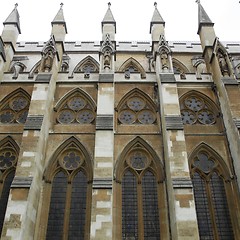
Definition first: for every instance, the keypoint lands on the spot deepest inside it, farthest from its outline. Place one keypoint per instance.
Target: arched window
(141, 195)
(8, 161)
(67, 197)
(136, 108)
(209, 184)
(87, 66)
(198, 109)
(76, 107)
(14, 107)
(131, 65)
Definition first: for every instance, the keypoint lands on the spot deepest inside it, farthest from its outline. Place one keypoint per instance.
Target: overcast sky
(83, 18)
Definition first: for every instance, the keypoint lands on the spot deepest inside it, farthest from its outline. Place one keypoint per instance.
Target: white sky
(83, 18)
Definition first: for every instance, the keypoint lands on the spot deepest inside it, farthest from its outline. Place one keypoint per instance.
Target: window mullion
(140, 211)
(67, 211)
(211, 209)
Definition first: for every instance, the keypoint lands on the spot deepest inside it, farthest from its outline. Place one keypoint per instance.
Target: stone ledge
(104, 122)
(21, 182)
(34, 122)
(182, 183)
(174, 123)
(102, 183)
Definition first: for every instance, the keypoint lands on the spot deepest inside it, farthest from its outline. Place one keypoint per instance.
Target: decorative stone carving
(164, 51)
(107, 50)
(48, 54)
(200, 66)
(223, 64)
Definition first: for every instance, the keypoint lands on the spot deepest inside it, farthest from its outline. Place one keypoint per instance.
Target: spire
(59, 18)
(108, 18)
(157, 18)
(203, 18)
(13, 18)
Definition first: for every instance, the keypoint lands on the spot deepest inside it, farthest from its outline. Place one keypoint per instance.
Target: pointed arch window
(75, 108)
(14, 108)
(139, 198)
(135, 108)
(196, 109)
(87, 66)
(130, 66)
(8, 162)
(68, 180)
(214, 221)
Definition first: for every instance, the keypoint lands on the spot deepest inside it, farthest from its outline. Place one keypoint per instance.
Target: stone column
(101, 216)
(24, 195)
(183, 219)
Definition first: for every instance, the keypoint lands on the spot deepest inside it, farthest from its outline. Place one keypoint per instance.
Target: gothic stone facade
(119, 140)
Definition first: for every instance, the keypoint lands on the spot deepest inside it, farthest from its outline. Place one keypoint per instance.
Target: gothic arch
(73, 143)
(221, 166)
(136, 92)
(196, 107)
(140, 183)
(133, 62)
(67, 192)
(8, 144)
(179, 68)
(16, 92)
(213, 186)
(87, 60)
(136, 107)
(76, 107)
(73, 92)
(139, 144)
(9, 151)
(35, 69)
(14, 107)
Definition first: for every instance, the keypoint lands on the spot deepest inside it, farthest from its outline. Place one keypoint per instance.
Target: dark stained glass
(7, 159)
(4, 197)
(146, 117)
(127, 116)
(66, 116)
(204, 163)
(78, 207)
(206, 117)
(85, 116)
(203, 213)
(194, 103)
(188, 117)
(57, 207)
(22, 116)
(136, 103)
(18, 103)
(129, 207)
(224, 227)
(6, 116)
(76, 103)
(150, 207)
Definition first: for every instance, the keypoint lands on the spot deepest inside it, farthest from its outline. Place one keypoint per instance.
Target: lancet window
(209, 184)
(8, 161)
(140, 181)
(67, 194)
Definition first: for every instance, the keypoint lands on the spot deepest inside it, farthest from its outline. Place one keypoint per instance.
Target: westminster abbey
(114, 140)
